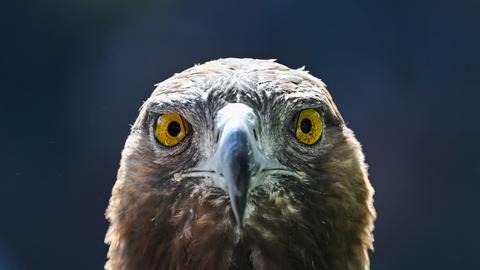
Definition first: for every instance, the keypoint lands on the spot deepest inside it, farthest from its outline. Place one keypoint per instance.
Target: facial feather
(163, 218)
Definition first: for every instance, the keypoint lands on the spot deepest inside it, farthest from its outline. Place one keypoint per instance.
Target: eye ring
(171, 129)
(308, 126)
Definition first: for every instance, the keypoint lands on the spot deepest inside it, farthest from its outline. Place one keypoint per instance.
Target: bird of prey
(240, 164)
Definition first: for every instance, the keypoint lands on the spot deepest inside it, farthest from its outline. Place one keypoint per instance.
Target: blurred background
(405, 75)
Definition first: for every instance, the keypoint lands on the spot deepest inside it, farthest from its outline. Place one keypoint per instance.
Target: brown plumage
(294, 205)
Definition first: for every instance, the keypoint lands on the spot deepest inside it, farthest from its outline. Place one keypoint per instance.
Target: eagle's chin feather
(162, 218)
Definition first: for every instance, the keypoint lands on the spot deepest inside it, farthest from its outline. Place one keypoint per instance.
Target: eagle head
(240, 164)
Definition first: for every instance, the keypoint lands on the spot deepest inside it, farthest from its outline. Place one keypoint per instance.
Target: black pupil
(306, 125)
(174, 128)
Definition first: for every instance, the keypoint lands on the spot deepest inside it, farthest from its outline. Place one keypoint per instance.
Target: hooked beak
(239, 164)
(237, 156)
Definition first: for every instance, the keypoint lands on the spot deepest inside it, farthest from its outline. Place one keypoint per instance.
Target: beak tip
(238, 204)
(239, 222)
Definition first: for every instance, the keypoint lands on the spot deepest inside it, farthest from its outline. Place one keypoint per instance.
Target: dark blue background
(405, 75)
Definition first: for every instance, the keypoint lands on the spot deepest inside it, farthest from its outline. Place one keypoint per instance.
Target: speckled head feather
(314, 212)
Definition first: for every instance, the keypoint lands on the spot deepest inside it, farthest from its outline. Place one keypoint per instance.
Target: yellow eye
(309, 126)
(171, 129)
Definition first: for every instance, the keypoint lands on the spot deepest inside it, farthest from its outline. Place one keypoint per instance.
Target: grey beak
(236, 153)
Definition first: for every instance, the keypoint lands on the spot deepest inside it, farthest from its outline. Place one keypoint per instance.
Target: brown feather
(323, 221)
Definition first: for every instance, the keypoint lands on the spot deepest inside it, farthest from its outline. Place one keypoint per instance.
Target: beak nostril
(217, 136)
(255, 134)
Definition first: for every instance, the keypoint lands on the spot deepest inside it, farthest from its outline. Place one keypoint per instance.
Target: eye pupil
(174, 128)
(306, 125)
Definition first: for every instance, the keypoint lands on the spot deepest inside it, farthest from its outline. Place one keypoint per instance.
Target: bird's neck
(199, 233)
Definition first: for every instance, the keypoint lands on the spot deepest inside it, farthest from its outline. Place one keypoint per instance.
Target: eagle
(240, 164)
